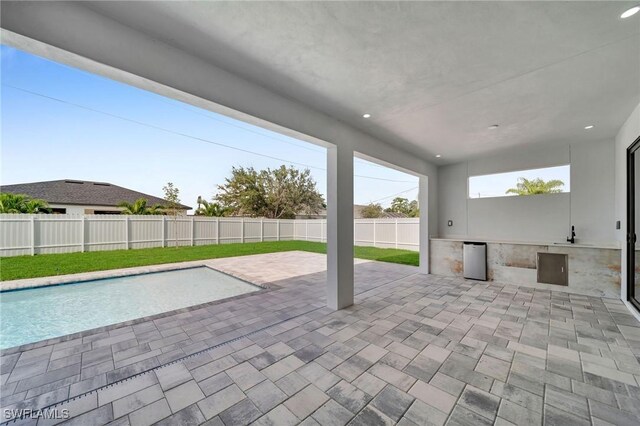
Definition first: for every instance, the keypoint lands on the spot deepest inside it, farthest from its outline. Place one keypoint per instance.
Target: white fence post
(193, 230)
(374, 232)
(217, 230)
(321, 231)
(164, 231)
(126, 232)
(396, 232)
(242, 228)
(261, 229)
(83, 232)
(278, 230)
(306, 230)
(33, 235)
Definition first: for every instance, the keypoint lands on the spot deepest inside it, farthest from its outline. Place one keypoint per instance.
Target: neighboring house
(357, 214)
(83, 197)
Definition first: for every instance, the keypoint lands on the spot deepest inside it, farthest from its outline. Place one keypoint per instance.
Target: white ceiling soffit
(433, 75)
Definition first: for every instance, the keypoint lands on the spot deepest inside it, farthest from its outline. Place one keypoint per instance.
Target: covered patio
(444, 91)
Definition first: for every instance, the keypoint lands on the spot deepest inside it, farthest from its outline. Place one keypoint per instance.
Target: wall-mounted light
(366, 115)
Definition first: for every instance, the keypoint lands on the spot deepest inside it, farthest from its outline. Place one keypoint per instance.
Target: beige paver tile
(433, 396)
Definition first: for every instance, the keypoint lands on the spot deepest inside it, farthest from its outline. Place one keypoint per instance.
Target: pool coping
(101, 275)
(134, 270)
(133, 274)
(27, 283)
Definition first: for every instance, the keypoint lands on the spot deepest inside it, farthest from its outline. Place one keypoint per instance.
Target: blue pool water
(42, 313)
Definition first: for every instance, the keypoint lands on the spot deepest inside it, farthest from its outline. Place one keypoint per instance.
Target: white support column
(339, 227)
(423, 203)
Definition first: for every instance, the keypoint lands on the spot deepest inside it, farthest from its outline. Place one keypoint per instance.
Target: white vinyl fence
(22, 234)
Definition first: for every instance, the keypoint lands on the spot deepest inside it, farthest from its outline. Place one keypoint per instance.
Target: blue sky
(45, 139)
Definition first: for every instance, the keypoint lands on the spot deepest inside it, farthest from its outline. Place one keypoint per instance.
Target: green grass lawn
(13, 268)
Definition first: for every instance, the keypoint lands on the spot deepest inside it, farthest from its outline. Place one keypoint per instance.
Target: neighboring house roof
(393, 215)
(82, 192)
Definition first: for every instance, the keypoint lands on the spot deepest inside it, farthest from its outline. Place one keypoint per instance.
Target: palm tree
(139, 207)
(210, 209)
(20, 203)
(12, 203)
(33, 206)
(536, 186)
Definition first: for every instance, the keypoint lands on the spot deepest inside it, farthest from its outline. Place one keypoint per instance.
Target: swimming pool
(42, 313)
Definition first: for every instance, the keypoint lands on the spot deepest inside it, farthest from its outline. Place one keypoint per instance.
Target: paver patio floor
(414, 349)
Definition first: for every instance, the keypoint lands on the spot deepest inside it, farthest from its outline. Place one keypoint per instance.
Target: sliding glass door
(633, 223)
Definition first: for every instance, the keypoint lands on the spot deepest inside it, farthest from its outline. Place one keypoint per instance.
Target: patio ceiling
(433, 75)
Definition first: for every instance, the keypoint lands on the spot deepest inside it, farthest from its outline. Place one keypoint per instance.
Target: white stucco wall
(87, 209)
(542, 218)
(75, 209)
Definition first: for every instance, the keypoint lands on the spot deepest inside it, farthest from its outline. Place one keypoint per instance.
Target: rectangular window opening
(547, 180)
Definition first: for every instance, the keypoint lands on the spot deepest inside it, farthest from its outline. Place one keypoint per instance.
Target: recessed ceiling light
(493, 126)
(630, 12)
(366, 115)
(588, 127)
(438, 155)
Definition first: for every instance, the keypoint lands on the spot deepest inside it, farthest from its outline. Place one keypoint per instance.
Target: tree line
(281, 193)
(399, 205)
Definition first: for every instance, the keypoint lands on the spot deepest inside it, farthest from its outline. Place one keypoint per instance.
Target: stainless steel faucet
(572, 240)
